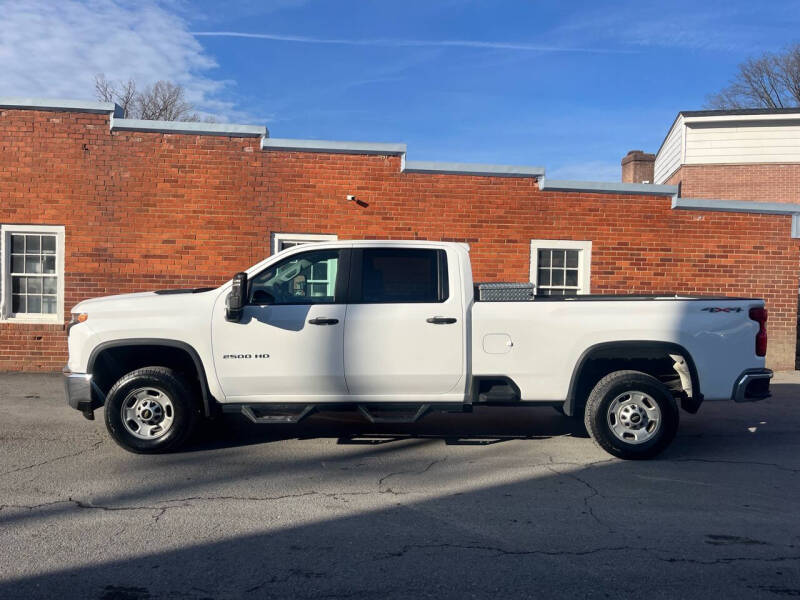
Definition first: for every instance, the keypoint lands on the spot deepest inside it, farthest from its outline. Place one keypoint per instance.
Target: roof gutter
(60, 105)
(604, 187)
(741, 206)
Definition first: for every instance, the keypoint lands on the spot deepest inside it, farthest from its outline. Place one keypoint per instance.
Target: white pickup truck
(394, 329)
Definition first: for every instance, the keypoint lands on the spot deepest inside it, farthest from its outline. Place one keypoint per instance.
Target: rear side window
(403, 275)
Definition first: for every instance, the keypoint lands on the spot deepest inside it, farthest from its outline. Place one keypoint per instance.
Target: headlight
(76, 318)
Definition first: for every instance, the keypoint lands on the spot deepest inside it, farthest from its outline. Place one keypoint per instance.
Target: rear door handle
(442, 320)
(323, 321)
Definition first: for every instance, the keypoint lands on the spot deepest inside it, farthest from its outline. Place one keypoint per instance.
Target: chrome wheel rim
(634, 417)
(147, 413)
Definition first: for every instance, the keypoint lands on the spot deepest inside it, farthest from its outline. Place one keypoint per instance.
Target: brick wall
(150, 210)
(754, 182)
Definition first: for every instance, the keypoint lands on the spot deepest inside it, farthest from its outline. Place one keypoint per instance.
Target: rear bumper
(81, 393)
(752, 385)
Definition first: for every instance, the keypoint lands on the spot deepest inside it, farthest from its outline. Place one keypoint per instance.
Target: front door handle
(323, 321)
(442, 320)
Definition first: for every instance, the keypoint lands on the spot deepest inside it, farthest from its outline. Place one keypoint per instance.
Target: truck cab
(344, 323)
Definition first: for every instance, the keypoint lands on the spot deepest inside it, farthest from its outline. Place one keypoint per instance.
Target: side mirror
(236, 299)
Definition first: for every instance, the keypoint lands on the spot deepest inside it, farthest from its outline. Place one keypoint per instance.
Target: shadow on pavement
(482, 427)
(563, 532)
(715, 516)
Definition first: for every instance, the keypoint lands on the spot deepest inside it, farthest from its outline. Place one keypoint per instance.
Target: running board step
(273, 413)
(394, 414)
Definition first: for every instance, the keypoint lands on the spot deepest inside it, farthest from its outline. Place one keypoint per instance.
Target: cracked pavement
(501, 502)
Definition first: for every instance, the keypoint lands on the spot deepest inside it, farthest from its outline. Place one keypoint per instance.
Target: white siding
(747, 142)
(668, 158)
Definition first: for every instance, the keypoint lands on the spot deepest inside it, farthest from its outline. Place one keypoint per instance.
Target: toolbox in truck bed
(504, 292)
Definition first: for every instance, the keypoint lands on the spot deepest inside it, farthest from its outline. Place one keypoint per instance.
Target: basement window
(282, 241)
(561, 267)
(32, 282)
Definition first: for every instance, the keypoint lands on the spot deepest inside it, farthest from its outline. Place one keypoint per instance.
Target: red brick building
(91, 204)
(749, 155)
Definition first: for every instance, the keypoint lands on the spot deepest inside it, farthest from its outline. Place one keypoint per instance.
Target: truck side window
(403, 275)
(306, 278)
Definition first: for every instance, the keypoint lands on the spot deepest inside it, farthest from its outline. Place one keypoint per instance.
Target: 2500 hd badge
(224, 356)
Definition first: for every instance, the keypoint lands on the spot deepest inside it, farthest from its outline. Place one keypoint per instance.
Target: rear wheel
(631, 415)
(150, 410)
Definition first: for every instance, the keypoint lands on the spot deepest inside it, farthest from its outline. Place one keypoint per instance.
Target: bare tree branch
(104, 89)
(769, 81)
(789, 72)
(126, 96)
(162, 101)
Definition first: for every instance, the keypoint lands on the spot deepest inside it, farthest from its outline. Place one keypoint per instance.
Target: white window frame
(6, 316)
(302, 238)
(584, 260)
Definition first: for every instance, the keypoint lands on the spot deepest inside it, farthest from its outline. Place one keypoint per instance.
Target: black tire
(611, 387)
(185, 412)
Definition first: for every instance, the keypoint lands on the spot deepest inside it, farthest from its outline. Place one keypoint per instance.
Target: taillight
(760, 316)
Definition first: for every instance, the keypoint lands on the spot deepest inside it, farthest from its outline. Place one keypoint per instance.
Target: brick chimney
(637, 167)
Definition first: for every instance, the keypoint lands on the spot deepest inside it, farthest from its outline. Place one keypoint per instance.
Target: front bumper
(82, 393)
(752, 385)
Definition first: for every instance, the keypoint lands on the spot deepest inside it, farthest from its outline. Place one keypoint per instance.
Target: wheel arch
(619, 353)
(107, 349)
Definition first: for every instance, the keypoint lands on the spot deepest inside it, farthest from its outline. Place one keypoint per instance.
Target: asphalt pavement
(500, 503)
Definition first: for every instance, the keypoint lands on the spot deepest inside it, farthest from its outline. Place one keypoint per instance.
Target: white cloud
(241, 9)
(687, 25)
(408, 43)
(54, 48)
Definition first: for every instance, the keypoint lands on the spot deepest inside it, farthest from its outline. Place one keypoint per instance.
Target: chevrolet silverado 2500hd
(395, 329)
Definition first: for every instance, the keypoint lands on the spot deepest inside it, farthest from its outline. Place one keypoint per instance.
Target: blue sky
(571, 86)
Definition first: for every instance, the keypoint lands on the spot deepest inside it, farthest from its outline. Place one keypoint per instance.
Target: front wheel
(150, 411)
(631, 415)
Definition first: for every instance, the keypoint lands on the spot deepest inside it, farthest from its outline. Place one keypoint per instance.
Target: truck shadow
(398, 520)
(485, 426)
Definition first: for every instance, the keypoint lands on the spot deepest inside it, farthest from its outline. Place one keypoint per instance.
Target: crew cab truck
(394, 329)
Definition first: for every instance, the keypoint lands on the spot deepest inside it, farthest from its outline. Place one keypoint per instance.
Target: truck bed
(537, 343)
(636, 297)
